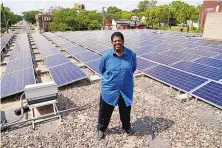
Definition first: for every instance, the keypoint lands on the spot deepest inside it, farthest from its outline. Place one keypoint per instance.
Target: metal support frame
(55, 111)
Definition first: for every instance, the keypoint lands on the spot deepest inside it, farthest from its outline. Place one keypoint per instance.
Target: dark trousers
(105, 113)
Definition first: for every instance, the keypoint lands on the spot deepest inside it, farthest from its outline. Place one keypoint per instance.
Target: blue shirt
(117, 76)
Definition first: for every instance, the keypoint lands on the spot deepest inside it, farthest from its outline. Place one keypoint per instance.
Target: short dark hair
(117, 34)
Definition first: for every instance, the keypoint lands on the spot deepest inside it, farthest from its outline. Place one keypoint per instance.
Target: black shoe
(130, 131)
(100, 134)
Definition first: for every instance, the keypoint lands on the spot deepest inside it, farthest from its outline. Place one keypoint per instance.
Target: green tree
(94, 25)
(145, 4)
(10, 18)
(113, 10)
(64, 20)
(70, 19)
(29, 16)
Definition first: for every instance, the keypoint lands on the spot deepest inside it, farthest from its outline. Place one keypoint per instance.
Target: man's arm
(134, 62)
(102, 65)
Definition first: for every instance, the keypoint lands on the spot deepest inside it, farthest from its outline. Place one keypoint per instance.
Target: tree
(29, 16)
(10, 18)
(113, 10)
(64, 20)
(145, 4)
(69, 19)
(94, 25)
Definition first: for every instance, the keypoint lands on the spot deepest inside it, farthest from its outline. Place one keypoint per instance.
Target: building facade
(209, 6)
(43, 20)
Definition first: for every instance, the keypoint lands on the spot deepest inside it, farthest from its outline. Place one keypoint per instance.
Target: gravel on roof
(158, 118)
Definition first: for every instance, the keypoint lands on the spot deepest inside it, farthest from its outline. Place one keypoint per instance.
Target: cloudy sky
(19, 6)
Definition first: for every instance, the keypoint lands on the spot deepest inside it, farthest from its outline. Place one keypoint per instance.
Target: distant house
(209, 6)
(128, 24)
(43, 20)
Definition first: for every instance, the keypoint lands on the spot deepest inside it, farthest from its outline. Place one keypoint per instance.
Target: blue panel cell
(211, 92)
(160, 58)
(94, 66)
(20, 54)
(201, 70)
(19, 64)
(144, 64)
(210, 62)
(15, 82)
(86, 56)
(199, 52)
(181, 80)
(75, 49)
(66, 73)
(219, 57)
(56, 60)
(181, 55)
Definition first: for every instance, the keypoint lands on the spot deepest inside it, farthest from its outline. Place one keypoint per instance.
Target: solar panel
(219, 57)
(201, 70)
(144, 64)
(74, 49)
(211, 49)
(199, 52)
(86, 56)
(56, 60)
(180, 80)
(66, 73)
(160, 58)
(181, 55)
(19, 64)
(211, 93)
(94, 66)
(20, 54)
(209, 62)
(15, 82)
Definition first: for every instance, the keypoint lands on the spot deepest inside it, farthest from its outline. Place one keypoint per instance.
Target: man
(117, 67)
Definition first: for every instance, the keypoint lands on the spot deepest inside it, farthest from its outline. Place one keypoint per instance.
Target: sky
(19, 6)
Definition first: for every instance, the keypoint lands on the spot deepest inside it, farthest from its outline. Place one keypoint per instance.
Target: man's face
(117, 43)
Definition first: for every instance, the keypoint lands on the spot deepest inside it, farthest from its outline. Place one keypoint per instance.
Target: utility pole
(103, 17)
(6, 23)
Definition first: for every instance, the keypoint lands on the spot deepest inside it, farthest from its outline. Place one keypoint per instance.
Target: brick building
(209, 6)
(43, 20)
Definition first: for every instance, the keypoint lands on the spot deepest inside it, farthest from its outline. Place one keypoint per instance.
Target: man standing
(117, 67)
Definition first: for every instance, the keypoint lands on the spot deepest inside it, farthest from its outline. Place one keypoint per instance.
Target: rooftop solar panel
(15, 82)
(211, 49)
(199, 52)
(210, 62)
(201, 70)
(180, 80)
(144, 64)
(94, 66)
(74, 49)
(66, 73)
(181, 55)
(211, 93)
(19, 64)
(167, 60)
(219, 57)
(86, 56)
(56, 60)
(20, 54)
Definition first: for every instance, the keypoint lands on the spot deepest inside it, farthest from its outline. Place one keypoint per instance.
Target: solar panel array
(185, 63)
(62, 70)
(5, 39)
(19, 70)
(82, 54)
